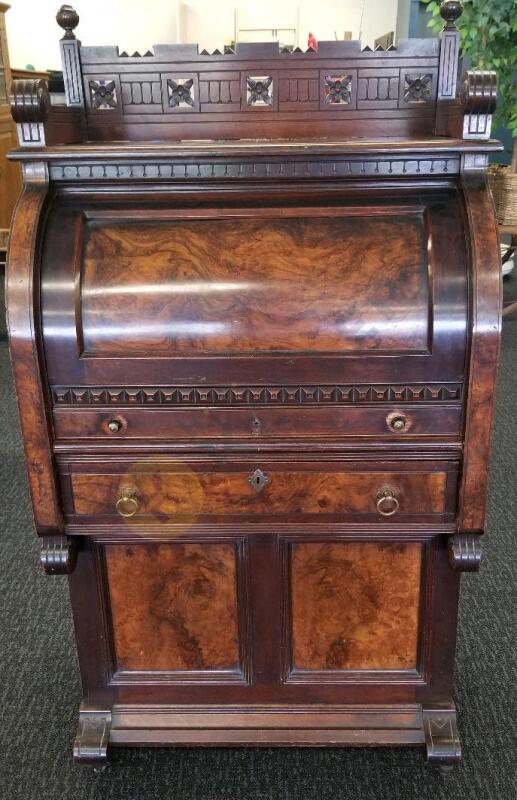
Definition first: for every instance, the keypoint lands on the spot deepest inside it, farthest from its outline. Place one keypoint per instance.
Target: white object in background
(508, 265)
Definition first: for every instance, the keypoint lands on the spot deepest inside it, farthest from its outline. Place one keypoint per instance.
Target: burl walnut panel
(164, 494)
(173, 606)
(249, 285)
(355, 605)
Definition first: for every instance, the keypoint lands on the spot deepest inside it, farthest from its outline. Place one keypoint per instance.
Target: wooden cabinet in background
(10, 176)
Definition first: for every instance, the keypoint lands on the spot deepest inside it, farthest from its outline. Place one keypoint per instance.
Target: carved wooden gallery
(254, 313)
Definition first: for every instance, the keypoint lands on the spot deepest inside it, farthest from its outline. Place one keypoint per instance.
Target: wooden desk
(255, 318)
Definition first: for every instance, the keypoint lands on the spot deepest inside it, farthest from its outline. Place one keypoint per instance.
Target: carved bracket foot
(93, 733)
(465, 552)
(58, 555)
(442, 740)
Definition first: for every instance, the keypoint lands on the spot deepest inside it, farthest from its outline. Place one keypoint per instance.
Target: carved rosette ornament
(417, 88)
(259, 90)
(103, 95)
(337, 89)
(180, 93)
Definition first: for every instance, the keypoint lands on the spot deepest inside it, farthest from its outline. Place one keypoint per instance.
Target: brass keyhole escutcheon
(127, 504)
(387, 501)
(258, 480)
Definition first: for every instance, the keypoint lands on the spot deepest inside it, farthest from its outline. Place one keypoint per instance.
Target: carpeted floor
(39, 687)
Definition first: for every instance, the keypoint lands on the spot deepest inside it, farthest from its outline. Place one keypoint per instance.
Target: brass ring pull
(387, 502)
(127, 505)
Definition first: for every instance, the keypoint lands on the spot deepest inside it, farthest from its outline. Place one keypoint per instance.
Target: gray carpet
(39, 687)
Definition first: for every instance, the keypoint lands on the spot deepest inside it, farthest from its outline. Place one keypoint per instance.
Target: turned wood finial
(68, 19)
(450, 11)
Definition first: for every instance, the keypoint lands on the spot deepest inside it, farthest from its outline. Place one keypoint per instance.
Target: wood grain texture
(22, 301)
(162, 495)
(256, 424)
(233, 329)
(63, 324)
(174, 606)
(223, 286)
(486, 306)
(355, 605)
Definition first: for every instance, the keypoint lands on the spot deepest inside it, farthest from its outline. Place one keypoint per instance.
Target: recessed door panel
(355, 606)
(174, 608)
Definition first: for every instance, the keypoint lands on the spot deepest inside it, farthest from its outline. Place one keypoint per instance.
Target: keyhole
(256, 426)
(258, 480)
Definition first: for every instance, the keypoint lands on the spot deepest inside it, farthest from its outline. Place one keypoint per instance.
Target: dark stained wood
(58, 555)
(258, 424)
(22, 301)
(486, 307)
(355, 606)
(254, 329)
(465, 552)
(174, 606)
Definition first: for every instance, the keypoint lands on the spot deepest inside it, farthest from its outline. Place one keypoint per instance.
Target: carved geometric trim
(257, 395)
(302, 169)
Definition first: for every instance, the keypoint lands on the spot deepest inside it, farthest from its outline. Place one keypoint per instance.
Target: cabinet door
(280, 617)
(354, 608)
(177, 611)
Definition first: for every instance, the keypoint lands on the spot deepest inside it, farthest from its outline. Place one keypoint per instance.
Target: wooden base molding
(268, 726)
(465, 552)
(58, 555)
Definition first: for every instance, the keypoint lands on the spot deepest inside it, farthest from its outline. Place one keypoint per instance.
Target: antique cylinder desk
(254, 312)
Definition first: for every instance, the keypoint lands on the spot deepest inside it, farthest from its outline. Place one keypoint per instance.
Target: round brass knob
(397, 423)
(127, 504)
(387, 502)
(114, 425)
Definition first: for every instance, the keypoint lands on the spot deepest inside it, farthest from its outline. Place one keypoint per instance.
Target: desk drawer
(164, 491)
(116, 424)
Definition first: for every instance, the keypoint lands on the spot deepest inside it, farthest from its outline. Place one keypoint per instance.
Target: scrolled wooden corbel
(58, 555)
(465, 552)
(479, 99)
(30, 107)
